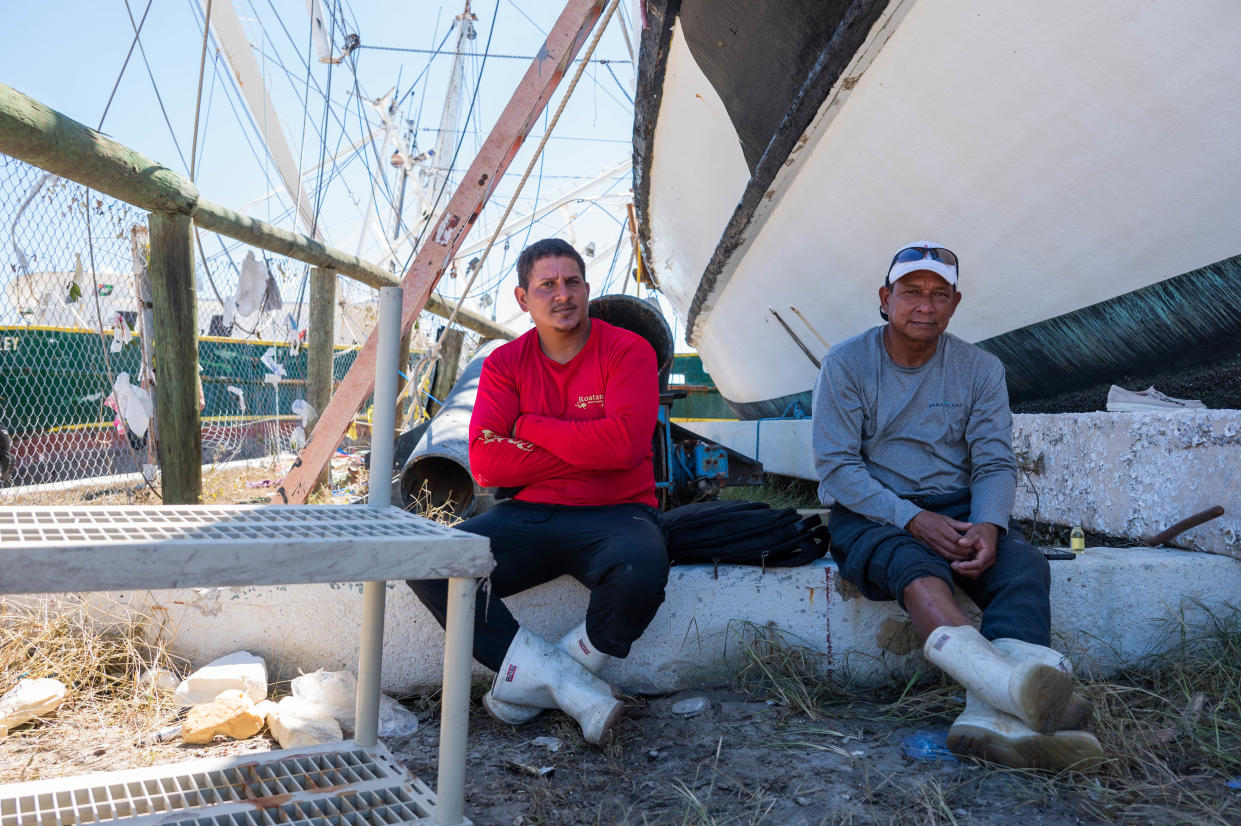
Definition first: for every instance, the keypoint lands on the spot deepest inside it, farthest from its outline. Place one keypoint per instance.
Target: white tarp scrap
(276, 369)
(122, 333)
(302, 408)
(133, 403)
(295, 337)
(251, 287)
(241, 396)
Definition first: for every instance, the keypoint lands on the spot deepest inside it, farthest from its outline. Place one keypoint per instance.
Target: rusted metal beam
(498, 151)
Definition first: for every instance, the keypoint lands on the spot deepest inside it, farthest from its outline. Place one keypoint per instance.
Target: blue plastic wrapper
(928, 746)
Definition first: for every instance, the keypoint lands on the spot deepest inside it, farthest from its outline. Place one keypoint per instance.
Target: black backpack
(743, 533)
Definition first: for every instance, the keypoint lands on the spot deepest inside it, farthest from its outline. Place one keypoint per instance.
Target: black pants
(882, 561)
(616, 551)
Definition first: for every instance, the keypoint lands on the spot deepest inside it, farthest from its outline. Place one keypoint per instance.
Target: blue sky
(69, 56)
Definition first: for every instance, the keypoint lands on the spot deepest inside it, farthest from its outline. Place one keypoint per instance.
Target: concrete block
(1110, 607)
(1135, 474)
(1127, 474)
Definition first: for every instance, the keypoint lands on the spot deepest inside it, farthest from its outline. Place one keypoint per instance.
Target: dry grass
(99, 651)
(1171, 725)
(422, 504)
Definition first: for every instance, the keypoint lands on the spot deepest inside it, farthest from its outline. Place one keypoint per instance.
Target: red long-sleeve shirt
(568, 434)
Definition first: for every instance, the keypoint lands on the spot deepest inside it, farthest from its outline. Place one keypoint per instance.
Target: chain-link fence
(76, 372)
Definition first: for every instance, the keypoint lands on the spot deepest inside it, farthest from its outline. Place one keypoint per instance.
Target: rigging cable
(125, 64)
(453, 162)
(441, 51)
(198, 101)
(154, 85)
(538, 155)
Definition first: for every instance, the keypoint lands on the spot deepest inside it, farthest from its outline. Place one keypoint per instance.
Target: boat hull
(1078, 157)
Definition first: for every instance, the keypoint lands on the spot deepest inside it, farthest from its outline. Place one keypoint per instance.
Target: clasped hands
(969, 547)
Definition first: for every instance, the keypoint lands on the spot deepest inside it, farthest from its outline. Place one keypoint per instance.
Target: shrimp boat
(1080, 158)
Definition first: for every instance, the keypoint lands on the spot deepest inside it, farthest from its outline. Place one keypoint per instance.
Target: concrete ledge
(1127, 474)
(1110, 607)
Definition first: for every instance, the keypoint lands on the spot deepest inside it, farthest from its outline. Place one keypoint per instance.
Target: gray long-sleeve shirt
(883, 432)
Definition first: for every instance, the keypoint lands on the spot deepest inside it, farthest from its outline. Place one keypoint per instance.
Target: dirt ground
(740, 761)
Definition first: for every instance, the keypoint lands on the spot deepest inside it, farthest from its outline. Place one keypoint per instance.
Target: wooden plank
(498, 151)
(220, 219)
(446, 371)
(54, 549)
(175, 312)
(321, 336)
(39, 135)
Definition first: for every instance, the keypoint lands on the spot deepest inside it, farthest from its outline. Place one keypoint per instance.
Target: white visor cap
(899, 270)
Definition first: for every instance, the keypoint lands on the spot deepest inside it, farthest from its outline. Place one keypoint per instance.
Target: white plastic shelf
(334, 783)
(58, 549)
(54, 549)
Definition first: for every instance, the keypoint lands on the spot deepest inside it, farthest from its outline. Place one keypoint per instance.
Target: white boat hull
(1080, 158)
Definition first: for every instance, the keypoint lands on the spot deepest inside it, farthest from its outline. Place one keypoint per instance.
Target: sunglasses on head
(910, 254)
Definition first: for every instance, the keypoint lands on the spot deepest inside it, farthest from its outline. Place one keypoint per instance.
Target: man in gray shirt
(913, 444)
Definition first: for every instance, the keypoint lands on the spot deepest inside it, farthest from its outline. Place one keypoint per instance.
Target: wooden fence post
(320, 348)
(176, 357)
(446, 369)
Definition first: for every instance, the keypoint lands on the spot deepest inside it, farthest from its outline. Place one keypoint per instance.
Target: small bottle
(1077, 539)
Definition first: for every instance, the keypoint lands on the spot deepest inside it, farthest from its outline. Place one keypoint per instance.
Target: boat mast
(237, 51)
(441, 160)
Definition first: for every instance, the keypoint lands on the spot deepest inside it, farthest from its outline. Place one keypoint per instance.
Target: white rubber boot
(982, 731)
(578, 646)
(1077, 710)
(1029, 690)
(537, 673)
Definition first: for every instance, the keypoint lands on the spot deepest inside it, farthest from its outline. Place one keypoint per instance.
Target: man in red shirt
(565, 414)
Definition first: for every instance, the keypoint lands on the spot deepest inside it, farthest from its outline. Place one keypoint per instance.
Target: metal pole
(370, 658)
(455, 701)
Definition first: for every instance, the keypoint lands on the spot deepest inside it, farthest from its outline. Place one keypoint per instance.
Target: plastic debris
(240, 670)
(159, 679)
(276, 369)
(336, 692)
(303, 408)
(691, 707)
(526, 768)
(1235, 783)
(928, 746)
(295, 723)
(162, 735)
(251, 286)
(29, 699)
(552, 744)
(133, 403)
(240, 395)
(295, 335)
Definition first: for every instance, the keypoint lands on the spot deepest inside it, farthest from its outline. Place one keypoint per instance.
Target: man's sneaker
(1120, 400)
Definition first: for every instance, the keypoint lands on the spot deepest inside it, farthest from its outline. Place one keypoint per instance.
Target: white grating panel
(256, 523)
(58, 549)
(336, 783)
